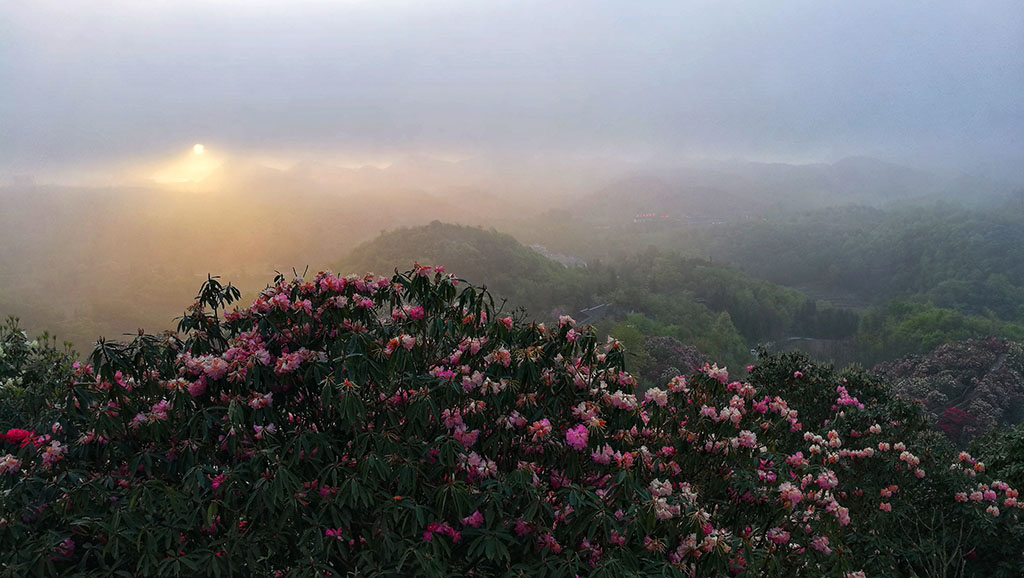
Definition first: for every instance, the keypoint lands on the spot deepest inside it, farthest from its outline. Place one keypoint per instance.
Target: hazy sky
(87, 83)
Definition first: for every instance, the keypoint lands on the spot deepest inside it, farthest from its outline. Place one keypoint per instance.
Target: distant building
(647, 218)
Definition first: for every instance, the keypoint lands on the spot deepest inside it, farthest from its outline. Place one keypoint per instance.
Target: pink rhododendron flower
(603, 455)
(522, 528)
(797, 460)
(746, 439)
(260, 431)
(260, 401)
(54, 452)
(678, 384)
(777, 535)
(577, 437)
(548, 541)
(715, 372)
(465, 437)
(827, 479)
(475, 519)
(665, 511)
(215, 367)
(790, 494)
(621, 400)
(657, 396)
(660, 488)
(64, 550)
(333, 533)
(198, 387)
(539, 429)
(9, 463)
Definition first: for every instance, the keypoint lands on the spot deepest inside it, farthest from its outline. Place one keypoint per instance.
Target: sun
(188, 167)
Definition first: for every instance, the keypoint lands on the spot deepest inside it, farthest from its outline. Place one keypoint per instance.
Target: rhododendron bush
(404, 426)
(32, 373)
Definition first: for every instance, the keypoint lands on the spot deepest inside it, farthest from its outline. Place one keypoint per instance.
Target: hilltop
(511, 270)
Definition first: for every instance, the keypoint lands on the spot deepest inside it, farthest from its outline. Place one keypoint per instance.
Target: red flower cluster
(16, 436)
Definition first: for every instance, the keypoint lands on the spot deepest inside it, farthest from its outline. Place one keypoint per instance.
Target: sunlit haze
(919, 82)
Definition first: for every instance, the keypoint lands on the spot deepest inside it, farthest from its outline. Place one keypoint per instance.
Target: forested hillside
(714, 307)
(968, 260)
(919, 272)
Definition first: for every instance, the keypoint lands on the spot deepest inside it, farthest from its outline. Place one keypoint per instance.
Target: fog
(325, 123)
(364, 82)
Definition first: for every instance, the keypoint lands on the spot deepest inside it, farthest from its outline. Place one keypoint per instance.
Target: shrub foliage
(392, 427)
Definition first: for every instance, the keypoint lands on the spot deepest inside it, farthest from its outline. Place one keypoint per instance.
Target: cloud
(802, 79)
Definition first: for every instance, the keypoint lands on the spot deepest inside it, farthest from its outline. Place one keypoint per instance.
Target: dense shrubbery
(1003, 450)
(969, 386)
(32, 375)
(370, 426)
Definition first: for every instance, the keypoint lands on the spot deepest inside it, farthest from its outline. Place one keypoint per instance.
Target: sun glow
(191, 167)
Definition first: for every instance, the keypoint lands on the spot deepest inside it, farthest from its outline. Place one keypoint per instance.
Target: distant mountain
(868, 177)
(650, 198)
(739, 190)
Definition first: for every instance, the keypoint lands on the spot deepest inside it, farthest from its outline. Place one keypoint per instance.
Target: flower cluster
(405, 426)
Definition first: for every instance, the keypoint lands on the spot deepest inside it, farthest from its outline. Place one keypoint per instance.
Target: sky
(111, 83)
